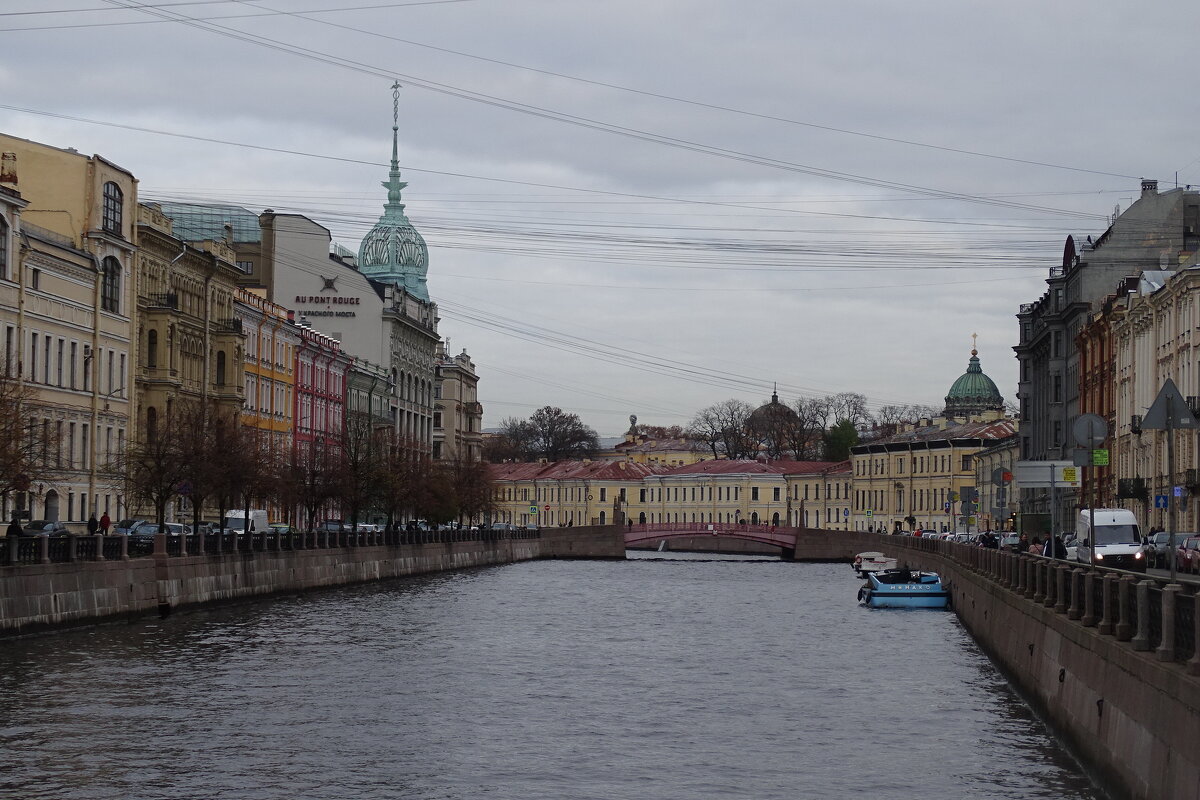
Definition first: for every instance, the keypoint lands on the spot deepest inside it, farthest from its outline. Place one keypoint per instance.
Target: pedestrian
(14, 527)
(1056, 548)
(630, 521)
(1023, 543)
(105, 523)
(1035, 547)
(92, 525)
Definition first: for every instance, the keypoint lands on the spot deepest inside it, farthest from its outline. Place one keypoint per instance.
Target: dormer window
(114, 200)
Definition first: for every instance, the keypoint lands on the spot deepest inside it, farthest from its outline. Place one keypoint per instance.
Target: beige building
(919, 476)
(758, 492)
(190, 343)
(66, 305)
(457, 412)
(1156, 336)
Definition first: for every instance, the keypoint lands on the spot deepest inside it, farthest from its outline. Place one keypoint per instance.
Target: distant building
(457, 412)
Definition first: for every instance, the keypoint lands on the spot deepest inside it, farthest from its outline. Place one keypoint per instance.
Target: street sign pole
(1171, 503)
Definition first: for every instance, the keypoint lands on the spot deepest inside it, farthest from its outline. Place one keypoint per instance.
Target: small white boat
(872, 562)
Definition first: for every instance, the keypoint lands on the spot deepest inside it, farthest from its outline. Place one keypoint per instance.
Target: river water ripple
(653, 679)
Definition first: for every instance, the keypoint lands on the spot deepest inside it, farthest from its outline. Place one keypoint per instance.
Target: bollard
(1022, 575)
(1039, 582)
(1142, 640)
(14, 549)
(72, 548)
(1089, 599)
(124, 546)
(99, 538)
(1060, 589)
(1075, 608)
(1124, 623)
(44, 549)
(1107, 625)
(1166, 648)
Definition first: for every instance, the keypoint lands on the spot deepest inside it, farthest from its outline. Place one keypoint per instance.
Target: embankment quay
(1109, 659)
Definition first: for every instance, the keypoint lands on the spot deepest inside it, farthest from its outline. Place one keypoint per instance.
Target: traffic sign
(1070, 474)
(1160, 501)
(1169, 410)
(845, 512)
(547, 508)
(1090, 430)
(870, 512)
(1000, 476)
(1099, 458)
(945, 507)
(533, 509)
(1179, 491)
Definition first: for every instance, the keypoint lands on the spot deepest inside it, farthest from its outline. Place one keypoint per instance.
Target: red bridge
(779, 536)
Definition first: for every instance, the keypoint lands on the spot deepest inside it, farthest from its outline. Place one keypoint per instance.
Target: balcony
(163, 300)
(228, 326)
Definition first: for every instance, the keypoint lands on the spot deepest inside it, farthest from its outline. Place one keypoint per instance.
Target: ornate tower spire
(394, 252)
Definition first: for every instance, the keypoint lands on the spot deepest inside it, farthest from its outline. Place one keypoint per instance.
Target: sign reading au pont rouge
(329, 299)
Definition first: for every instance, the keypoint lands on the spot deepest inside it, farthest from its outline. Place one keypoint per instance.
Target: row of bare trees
(811, 428)
(215, 462)
(206, 456)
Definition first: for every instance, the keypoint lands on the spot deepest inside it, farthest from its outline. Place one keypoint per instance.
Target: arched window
(3, 248)
(220, 368)
(110, 286)
(114, 200)
(152, 348)
(151, 423)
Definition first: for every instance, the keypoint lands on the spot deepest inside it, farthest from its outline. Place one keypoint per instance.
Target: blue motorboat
(903, 588)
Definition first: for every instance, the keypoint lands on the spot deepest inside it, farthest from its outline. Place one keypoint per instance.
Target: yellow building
(919, 476)
(270, 366)
(814, 493)
(67, 245)
(566, 492)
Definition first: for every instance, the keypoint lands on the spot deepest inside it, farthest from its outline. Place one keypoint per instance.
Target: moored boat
(904, 588)
(872, 562)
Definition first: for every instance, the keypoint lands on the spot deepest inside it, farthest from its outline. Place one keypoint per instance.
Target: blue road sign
(845, 512)
(1160, 501)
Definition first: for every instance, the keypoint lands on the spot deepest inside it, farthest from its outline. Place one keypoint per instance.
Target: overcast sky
(650, 207)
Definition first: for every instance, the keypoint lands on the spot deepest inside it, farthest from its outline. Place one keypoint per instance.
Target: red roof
(753, 467)
(574, 470)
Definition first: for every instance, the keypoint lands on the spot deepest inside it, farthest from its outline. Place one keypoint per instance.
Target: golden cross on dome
(974, 336)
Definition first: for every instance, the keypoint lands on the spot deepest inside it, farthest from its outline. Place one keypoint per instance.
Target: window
(966, 463)
(62, 344)
(603, 494)
(775, 494)
(151, 424)
(35, 278)
(74, 356)
(110, 287)
(47, 365)
(113, 208)
(152, 348)
(3, 248)
(753, 492)
(220, 368)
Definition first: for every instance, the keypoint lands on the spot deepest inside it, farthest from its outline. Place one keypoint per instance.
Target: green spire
(394, 252)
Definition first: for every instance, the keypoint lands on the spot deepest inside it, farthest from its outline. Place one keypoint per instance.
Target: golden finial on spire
(974, 350)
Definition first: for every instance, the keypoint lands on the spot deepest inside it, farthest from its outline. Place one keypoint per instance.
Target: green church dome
(394, 251)
(973, 392)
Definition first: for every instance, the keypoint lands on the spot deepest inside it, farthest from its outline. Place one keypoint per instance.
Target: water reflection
(664, 677)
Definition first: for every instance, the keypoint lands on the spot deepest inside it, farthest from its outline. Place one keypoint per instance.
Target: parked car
(41, 527)
(127, 526)
(1187, 555)
(331, 526)
(1009, 541)
(280, 527)
(1158, 547)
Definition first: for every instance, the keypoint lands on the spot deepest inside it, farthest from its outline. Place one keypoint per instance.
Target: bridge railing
(703, 527)
(1148, 611)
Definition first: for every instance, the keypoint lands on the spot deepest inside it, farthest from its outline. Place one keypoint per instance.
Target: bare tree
(723, 428)
(549, 433)
(358, 472)
(513, 443)
(473, 490)
(25, 455)
(155, 467)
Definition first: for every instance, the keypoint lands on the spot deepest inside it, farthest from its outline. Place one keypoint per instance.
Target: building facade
(66, 305)
(1159, 231)
(272, 344)
(457, 412)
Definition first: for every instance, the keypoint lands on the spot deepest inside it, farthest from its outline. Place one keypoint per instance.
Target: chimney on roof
(1149, 186)
(8, 170)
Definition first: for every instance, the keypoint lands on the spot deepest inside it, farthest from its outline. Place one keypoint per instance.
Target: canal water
(673, 678)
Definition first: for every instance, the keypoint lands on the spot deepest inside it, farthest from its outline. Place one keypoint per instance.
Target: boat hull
(901, 589)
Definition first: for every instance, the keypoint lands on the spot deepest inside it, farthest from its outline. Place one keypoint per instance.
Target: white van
(235, 521)
(1114, 540)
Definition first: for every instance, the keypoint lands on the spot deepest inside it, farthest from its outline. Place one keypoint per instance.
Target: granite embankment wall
(38, 596)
